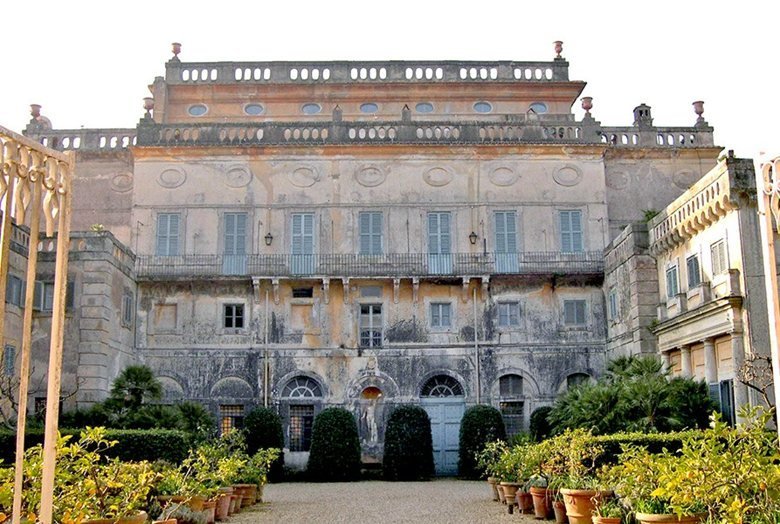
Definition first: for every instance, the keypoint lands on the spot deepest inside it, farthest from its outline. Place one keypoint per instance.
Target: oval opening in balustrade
(77, 142)
(102, 142)
(185, 75)
(548, 73)
(65, 142)
(293, 74)
(125, 141)
(315, 74)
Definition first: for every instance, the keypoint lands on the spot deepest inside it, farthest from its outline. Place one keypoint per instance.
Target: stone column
(685, 360)
(738, 353)
(710, 361)
(666, 362)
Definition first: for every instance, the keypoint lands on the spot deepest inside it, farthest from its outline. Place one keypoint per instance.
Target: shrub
(335, 447)
(480, 425)
(263, 430)
(408, 453)
(196, 420)
(540, 428)
(132, 445)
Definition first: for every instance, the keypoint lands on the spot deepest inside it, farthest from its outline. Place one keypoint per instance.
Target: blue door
(302, 248)
(506, 241)
(439, 243)
(445, 415)
(234, 253)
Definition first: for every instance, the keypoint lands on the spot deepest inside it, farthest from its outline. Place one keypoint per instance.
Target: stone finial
(587, 104)
(38, 122)
(148, 106)
(35, 110)
(558, 48)
(176, 49)
(698, 108)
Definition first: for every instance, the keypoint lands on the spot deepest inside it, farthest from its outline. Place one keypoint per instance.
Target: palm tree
(135, 386)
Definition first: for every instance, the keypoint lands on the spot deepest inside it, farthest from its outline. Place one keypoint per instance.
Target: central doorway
(442, 398)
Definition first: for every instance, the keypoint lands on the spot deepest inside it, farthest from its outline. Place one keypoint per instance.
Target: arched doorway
(442, 398)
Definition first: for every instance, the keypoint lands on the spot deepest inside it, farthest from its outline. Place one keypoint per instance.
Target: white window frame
(614, 305)
(719, 267)
(508, 305)
(374, 323)
(168, 251)
(672, 270)
(692, 283)
(438, 320)
(575, 303)
(577, 237)
(372, 233)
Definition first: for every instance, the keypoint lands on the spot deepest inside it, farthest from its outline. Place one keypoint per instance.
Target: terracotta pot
(260, 493)
(248, 493)
(209, 509)
(195, 503)
(139, 518)
(606, 520)
(510, 491)
(525, 502)
(169, 521)
(492, 481)
(501, 496)
(223, 503)
(235, 502)
(543, 508)
(559, 508)
(648, 518)
(579, 504)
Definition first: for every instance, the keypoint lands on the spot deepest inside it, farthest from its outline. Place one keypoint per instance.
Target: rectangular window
(9, 360)
(370, 233)
(303, 292)
(233, 316)
(168, 234)
(574, 312)
(301, 420)
(43, 296)
(512, 413)
(508, 314)
(672, 284)
(371, 292)
(14, 291)
(506, 232)
(370, 325)
(571, 231)
(440, 315)
(231, 416)
(510, 386)
(127, 309)
(613, 304)
(720, 261)
(694, 275)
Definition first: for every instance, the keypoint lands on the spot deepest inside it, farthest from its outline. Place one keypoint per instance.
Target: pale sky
(88, 62)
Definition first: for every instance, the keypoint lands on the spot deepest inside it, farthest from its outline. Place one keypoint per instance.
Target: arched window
(442, 386)
(510, 392)
(302, 387)
(510, 386)
(577, 379)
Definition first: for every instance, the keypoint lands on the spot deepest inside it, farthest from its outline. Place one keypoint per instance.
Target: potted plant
(487, 462)
(608, 511)
(509, 471)
(541, 495)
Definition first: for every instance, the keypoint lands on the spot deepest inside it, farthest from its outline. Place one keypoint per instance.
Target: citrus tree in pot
(487, 462)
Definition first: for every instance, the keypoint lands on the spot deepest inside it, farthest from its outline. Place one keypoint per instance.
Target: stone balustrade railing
(87, 139)
(177, 72)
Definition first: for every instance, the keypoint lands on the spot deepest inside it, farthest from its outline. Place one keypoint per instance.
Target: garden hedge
(540, 428)
(408, 453)
(132, 444)
(480, 424)
(653, 442)
(335, 447)
(263, 430)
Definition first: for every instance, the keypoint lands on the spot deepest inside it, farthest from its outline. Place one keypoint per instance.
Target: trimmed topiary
(335, 447)
(408, 451)
(480, 425)
(540, 428)
(263, 430)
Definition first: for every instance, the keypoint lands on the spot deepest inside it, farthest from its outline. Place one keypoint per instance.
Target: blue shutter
(167, 234)
(571, 231)
(370, 233)
(506, 232)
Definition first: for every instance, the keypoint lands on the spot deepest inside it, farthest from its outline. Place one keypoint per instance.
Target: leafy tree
(540, 428)
(480, 425)
(408, 453)
(134, 386)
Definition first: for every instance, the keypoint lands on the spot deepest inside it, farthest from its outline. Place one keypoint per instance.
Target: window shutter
(433, 233)
(566, 245)
(444, 224)
(376, 233)
(240, 241)
(694, 276)
(38, 296)
(506, 232)
(571, 231)
(297, 229)
(173, 234)
(308, 233)
(365, 233)
(576, 231)
(230, 233)
(162, 235)
(569, 314)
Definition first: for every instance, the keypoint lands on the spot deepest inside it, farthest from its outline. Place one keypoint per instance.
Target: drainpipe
(476, 346)
(265, 354)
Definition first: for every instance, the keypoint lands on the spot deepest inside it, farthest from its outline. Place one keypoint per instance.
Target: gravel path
(439, 501)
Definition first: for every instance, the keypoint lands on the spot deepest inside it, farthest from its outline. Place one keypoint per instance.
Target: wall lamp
(268, 238)
(473, 238)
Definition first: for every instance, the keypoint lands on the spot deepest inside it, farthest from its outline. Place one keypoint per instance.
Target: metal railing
(386, 265)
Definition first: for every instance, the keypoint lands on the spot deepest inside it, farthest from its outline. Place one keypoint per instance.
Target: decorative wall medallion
(238, 176)
(684, 179)
(503, 176)
(172, 177)
(437, 177)
(617, 180)
(568, 175)
(122, 182)
(369, 176)
(304, 177)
